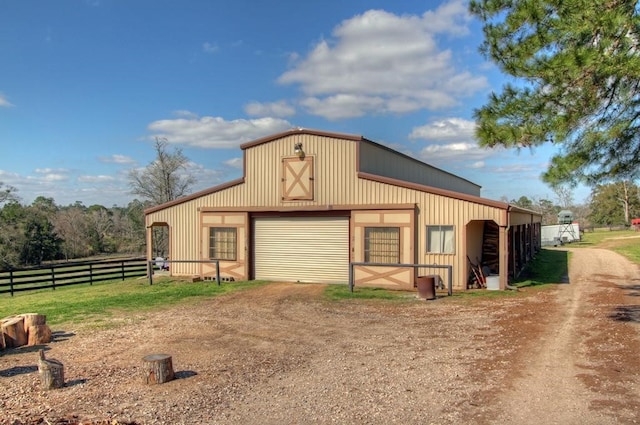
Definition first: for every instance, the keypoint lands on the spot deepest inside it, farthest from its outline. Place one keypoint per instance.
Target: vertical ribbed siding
(334, 162)
(378, 160)
(433, 210)
(336, 184)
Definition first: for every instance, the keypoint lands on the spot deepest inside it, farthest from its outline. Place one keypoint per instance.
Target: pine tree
(576, 69)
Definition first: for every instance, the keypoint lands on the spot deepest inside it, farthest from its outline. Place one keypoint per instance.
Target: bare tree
(71, 224)
(165, 179)
(564, 194)
(7, 193)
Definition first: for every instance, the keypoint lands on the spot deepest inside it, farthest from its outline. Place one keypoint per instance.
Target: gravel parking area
(281, 354)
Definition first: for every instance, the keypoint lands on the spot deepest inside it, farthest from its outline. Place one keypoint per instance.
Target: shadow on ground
(626, 313)
(18, 370)
(550, 266)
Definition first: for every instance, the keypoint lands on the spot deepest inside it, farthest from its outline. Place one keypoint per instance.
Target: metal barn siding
(301, 249)
(434, 209)
(385, 276)
(338, 184)
(334, 170)
(237, 268)
(376, 159)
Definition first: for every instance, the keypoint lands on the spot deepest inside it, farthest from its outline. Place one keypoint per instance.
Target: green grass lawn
(84, 303)
(550, 266)
(625, 242)
(95, 304)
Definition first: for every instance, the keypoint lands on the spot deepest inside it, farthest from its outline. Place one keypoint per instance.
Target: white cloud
(50, 175)
(216, 132)
(516, 169)
(234, 163)
(453, 151)
(205, 177)
(343, 105)
(209, 47)
(450, 140)
(51, 170)
(452, 129)
(276, 109)
(4, 102)
(385, 63)
(117, 159)
(451, 18)
(9, 178)
(96, 179)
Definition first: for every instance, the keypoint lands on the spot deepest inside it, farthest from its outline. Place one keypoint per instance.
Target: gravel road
(281, 354)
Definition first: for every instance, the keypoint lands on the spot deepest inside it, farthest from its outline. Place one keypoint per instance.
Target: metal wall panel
(302, 249)
(433, 209)
(336, 184)
(376, 159)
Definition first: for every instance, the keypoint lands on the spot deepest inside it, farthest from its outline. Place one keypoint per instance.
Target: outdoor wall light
(297, 149)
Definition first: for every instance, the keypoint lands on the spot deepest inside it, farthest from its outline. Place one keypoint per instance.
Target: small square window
(382, 245)
(440, 240)
(223, 242)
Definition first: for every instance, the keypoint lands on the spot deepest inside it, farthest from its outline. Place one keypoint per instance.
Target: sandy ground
(280, 354)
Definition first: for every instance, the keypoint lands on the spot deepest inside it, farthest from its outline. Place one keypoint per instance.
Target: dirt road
(586, 360)
(281, 354)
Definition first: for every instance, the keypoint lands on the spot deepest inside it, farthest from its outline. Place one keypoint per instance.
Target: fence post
(218, 272)
(53, 278)
(150, 271)
(11, 281)
(90, 274)
(122, 268)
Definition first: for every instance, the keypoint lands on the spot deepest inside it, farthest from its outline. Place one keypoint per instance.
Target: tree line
(611, 204)
(43, 231)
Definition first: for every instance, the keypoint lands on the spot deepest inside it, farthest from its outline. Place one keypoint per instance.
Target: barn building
(311, 202)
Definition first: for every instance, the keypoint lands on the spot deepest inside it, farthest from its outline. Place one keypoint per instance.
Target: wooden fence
(58, 275)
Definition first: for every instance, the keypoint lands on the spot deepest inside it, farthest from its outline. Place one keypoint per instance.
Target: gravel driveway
(280, 354)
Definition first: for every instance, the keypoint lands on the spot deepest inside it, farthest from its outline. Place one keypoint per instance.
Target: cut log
(6, 319)
(39, 334)
(32, 319)
(2, 344)
(158, 368)
(51, 372)
(14, 334)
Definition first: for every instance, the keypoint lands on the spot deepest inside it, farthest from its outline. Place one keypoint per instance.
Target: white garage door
(302, 249)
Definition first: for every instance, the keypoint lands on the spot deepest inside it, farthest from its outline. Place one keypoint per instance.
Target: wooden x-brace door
(297, 178)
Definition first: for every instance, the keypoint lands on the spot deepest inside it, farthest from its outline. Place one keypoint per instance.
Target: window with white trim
(440, 240)
(223, 242)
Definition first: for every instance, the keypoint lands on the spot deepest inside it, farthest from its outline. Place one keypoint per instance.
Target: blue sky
(86, 86)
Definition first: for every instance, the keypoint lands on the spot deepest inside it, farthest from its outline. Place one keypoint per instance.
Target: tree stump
(14, 333)
(33, 319)
(51, 372)
(158, 368)
(39, 334)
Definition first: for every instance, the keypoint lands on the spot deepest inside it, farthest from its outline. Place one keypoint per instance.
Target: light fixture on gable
(297, 149)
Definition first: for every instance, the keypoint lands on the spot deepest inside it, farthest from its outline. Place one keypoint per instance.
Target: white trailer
(558, 234)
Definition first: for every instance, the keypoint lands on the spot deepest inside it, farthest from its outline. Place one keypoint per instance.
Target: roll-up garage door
(301, 249)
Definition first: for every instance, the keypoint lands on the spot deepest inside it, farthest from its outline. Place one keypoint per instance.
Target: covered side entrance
(301, 249)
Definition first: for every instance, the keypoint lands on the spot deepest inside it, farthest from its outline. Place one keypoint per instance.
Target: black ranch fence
(57, 275)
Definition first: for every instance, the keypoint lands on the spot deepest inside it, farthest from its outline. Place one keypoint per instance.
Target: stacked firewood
(24, 329)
